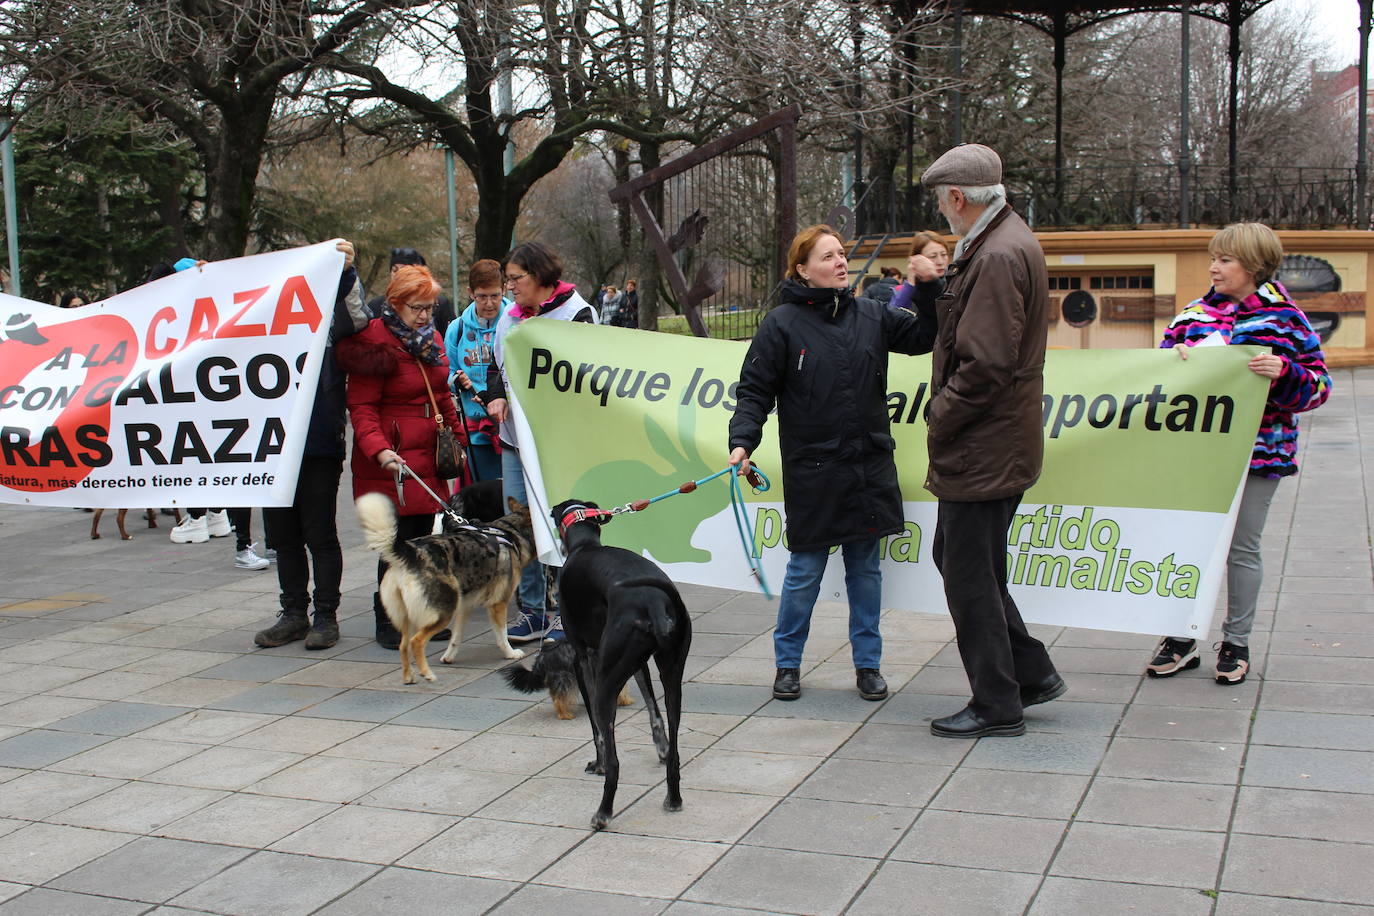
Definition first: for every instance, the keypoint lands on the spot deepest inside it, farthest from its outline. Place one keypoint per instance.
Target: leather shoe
(787, 684)
(1051, 688)
(870, 683)
(968, 724)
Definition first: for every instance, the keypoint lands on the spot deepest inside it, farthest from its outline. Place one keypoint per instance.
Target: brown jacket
(986, 436)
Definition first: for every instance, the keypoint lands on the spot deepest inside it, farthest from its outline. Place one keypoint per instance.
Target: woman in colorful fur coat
(389, 406)
(1247, 306)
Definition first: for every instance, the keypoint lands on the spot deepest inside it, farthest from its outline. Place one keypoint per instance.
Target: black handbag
(448, 455)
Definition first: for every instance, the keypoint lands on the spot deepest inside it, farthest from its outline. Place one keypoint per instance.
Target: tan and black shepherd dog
(435, 581)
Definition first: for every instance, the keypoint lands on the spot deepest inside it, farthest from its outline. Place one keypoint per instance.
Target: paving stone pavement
(152, 760)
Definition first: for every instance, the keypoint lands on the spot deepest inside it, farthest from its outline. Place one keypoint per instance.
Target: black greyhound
(619, 609)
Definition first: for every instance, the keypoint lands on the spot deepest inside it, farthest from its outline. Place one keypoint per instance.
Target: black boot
(291, 625)
(324, 629)
(869, 680)
(787, 684)
(388, 637)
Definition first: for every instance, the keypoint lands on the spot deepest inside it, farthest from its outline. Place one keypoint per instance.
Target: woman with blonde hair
(1246, 305)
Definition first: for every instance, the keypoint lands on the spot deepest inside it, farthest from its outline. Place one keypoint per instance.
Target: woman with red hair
(393, 411)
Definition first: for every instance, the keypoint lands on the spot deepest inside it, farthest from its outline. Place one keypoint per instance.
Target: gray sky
(1338, 19)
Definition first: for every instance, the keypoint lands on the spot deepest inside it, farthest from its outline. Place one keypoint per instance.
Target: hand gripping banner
(193, 390)
(1127, 529)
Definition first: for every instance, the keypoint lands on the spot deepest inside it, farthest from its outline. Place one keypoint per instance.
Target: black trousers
(309, 524)
(970, 550)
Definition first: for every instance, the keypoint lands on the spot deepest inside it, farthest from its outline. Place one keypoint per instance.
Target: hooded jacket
(470, 346)
(821, 358)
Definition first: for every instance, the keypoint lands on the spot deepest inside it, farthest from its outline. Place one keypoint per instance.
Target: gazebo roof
(1070, 16)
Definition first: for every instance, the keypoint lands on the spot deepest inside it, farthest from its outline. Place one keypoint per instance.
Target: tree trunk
(231, 180)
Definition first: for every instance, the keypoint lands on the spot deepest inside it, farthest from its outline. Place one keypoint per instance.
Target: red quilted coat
(390, 408)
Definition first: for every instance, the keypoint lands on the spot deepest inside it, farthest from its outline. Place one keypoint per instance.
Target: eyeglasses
(421, 309)
(487, 297)
(512, 279)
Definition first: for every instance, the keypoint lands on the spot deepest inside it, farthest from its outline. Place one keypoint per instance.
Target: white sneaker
(218, 524)
(191, 531)
(247, 559)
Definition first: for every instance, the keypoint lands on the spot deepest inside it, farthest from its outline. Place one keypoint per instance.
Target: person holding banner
(534, 275)
(821, 357)
(309, 523)
(1246, 305)
(393, 410)
(985, 440)
(469, 344)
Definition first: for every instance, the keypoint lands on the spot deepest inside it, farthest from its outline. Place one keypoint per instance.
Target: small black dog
(554, 670)
(619, 610)
(477, 502)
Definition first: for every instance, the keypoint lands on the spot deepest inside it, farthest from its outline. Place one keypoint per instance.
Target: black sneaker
(1174, 655)
(787, 684)
(1232, 663)
(871, 684)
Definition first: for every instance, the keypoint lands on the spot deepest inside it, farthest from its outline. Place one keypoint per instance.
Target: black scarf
(419, 342)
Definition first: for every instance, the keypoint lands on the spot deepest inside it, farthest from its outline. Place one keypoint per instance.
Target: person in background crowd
(821, 358)
(534, 276)
(610, 305)
(926, 264)
(628, 314)
(244, 556)
(443, 305)
(390, 405)
(469, 344)
(1246, 305)
(881, 291)
(985, 440)
(308, 525)
(72, 300)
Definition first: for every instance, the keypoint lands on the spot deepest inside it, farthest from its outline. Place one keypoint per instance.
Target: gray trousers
(1244, 566)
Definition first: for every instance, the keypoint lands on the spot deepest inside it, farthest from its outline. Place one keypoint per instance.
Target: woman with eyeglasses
(534, 280)
(392, 410)
(470, 343)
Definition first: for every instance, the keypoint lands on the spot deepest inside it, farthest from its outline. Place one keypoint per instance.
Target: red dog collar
(581, 514)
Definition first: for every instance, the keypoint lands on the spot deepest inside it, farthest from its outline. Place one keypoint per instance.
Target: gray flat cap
(971, 165)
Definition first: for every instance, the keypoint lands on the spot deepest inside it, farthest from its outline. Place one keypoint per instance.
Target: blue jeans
(531, 590)
(864, 583)
(486, 463)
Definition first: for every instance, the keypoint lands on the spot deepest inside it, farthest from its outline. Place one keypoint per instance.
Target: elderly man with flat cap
(985, 441)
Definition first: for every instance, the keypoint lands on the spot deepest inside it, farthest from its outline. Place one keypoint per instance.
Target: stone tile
(819, 703)
(207, 726)
(843, 828)
(276, 884)
(365, 834)
(127, 758)
(419, 893)
(137, 807)
(150, 869)
(514, 754)
(117, 718)
(738, 771)
(937, 890)
(559, 802)
(280, 699)
(400, 744)
(1338, 816)
(1230, 903)
(9, 889)
(902, 743)
(1176, 761)
(1074, 895)
(256, 667)
(1186, 858)
(255, 821)
(1040, 753)
(1198, 688)
(366, 705)
(981, 841)
(1316, 770)
(111, 685)
(1078, 717)
(442, 790)
(776, 879)
(1312, 869)
(224, 768)
(1305, 729)
(1223, 726)
(537, 898)
(40, 852)
(1151, 803)
(104, 658)
(41, 901)
(182, 637)
(336, 673)
(1316, 670)
(40, 747)
(328, 779)
(725, 699)
(874, 782)
(194, 692)
(299, 735)
(511, 852)
(711, 817)
(468, 713)
(1019, 794)
(783, 736)
(645, 866)
(42, 709)
(37, 794)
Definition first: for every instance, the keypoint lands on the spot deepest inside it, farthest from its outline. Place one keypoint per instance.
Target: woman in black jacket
(821, 357)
